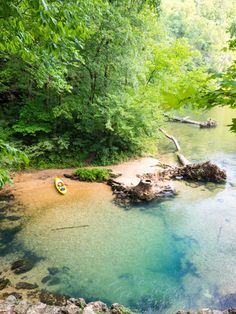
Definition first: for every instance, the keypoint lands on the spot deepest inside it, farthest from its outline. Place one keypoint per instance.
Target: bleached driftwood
(205, 171)
(210, 123)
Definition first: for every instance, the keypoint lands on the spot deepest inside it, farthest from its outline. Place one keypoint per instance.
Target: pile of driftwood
(156, 185)
(205, 171)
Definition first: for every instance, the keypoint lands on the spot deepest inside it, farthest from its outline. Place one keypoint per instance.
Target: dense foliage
(88, 80)
(225, 94)
(9, 157)
(203, 23)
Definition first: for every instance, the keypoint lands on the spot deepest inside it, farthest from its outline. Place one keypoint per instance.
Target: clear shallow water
(161, 257)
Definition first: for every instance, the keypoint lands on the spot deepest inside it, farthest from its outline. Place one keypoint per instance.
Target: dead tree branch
(205, 171)
(207, 124)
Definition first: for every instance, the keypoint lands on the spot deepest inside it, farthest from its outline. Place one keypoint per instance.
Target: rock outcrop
(208, 311)
(12, 305)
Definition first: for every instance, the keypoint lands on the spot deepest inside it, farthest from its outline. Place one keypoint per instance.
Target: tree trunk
(208, 124)
(205, 171)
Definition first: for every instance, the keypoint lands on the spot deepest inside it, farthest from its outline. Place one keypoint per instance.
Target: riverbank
(37, 186)
(33, 195)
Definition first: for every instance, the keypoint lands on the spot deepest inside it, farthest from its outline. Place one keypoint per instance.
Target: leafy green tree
(9, 156)
(48, 36)
(203, 23)
(225, 94)
(88, 80)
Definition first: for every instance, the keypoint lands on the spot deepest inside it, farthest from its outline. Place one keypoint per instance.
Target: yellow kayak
(60, 186)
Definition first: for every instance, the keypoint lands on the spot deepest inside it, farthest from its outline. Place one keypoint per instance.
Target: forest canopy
(88, 81)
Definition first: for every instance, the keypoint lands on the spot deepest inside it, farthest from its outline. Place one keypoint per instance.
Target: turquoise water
(161, 257)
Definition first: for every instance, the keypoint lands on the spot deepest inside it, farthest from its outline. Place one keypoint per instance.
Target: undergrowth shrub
(93, 174)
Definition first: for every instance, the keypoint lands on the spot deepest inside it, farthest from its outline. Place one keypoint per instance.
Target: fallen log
(172, 138)
(210, 123)
(182, 159)
(205, 171)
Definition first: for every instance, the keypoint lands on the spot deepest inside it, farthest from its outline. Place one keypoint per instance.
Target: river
(176, 254)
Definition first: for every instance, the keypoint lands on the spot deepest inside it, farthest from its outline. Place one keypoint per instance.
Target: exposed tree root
(207, 124)
(205, 171)
(146, 190)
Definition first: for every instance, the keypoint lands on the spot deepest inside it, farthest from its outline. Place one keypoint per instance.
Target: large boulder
(95, 307)
(72, 309)
(78, 302)
(38, 308)
(7, 305)
(119, 309)
(22, 307)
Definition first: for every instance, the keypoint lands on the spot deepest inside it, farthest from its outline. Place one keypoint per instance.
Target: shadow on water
(11, 225)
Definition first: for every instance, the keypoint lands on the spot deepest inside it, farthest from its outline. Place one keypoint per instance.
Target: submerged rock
(50, 280)
(53, 270)
(53, 281)
(26, 285)
(52, 299)
(12, 218)
(22, 266)
(46, 279)
(4, 282)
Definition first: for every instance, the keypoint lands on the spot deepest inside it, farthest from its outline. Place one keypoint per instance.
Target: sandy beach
(36, 187)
